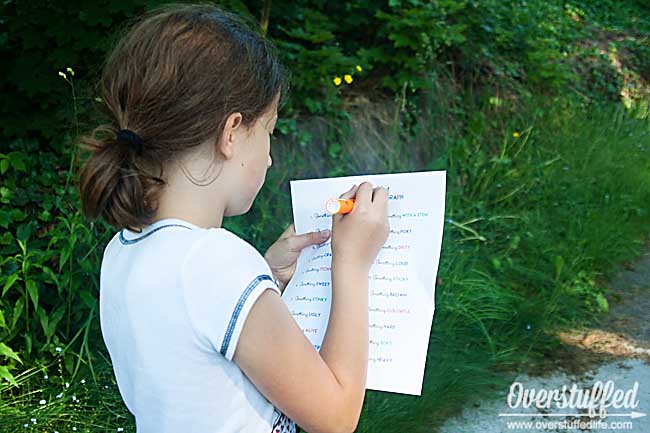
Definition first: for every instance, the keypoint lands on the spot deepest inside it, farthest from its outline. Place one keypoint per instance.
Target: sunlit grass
(47, 399)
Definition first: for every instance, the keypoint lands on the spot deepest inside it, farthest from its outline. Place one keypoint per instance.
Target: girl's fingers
(349, 193)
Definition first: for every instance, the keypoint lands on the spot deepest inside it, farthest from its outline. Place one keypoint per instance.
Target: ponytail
(112, 184)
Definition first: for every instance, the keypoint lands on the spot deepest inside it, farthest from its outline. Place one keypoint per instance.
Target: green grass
(531, 222)
(49, 399)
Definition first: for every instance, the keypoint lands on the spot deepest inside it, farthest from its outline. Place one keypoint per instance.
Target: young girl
(197, 342)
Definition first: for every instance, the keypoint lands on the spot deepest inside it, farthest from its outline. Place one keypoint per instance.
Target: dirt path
(618, 350)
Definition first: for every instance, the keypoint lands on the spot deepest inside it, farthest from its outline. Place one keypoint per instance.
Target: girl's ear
(231, 129)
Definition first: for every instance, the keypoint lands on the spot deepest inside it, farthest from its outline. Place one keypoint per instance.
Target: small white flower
(42, 402)
(74, 397)
(33, 420)
(45, 377)
(120, 429)
(58, 349)
(25, 425)
(106, 386)
(67, 385)
(83, 381)
(74, 428)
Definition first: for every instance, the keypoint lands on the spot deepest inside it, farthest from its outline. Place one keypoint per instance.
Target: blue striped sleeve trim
(240, 304)
(126, 241)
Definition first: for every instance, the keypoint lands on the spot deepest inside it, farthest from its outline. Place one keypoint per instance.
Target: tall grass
(541, 202)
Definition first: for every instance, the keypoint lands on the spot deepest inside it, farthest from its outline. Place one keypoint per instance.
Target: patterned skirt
(282, 423)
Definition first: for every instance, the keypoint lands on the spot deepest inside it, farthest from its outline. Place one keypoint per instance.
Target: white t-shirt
(173, 301)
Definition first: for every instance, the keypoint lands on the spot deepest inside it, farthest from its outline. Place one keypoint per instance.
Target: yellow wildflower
(69, 69)
(515, 134)
(358, 68)
(347, 78)
(337, 81)
(63, 75)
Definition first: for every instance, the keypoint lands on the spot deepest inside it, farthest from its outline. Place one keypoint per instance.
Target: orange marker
(339, 205)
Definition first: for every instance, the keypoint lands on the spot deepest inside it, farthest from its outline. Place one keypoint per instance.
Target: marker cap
(333, 206)
(339, 205)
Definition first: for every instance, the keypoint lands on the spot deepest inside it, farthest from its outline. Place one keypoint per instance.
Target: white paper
(401, 280)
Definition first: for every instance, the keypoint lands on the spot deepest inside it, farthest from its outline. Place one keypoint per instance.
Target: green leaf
(4, 374)
(6, 238)
(50, 273)
(32, 289)
(6, 351)
(45, 215)
(18, 311)
(4, 165)
(28, 343)
(43, 319)
(17, 160)
(10, 282)
(603, 305)
(24, 232)
(65, 255)
(18, 215)
(67, 361)
(5, 194)
(55, 318)
(2, 320)
(5, 219)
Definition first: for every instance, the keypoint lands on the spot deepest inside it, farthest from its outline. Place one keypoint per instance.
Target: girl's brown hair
(173, 79)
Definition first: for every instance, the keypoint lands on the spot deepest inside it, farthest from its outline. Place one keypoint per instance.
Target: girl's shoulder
(222, 246)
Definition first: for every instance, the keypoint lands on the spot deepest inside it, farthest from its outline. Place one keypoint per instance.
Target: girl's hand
(283, 254)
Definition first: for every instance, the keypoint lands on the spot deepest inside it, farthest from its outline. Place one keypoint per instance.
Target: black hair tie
(128, 136)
